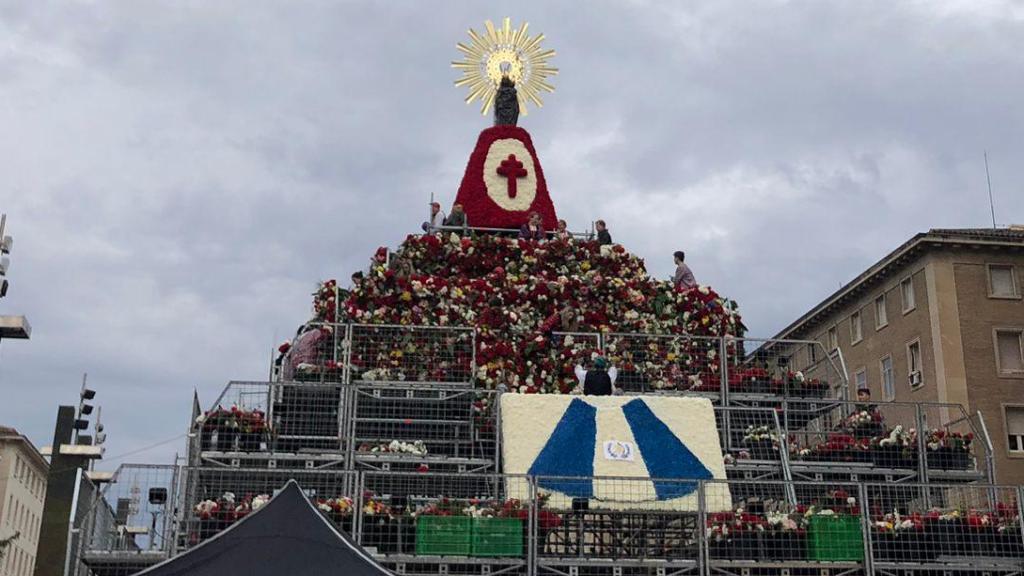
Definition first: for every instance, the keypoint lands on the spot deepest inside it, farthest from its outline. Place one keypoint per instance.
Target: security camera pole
(10, 326)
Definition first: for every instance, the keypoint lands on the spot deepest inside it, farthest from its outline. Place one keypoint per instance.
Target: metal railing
(647, 363)
(471, 230)
(130, 521)
(529, 522)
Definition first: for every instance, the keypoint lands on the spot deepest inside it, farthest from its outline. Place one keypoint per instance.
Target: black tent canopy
(286, 537)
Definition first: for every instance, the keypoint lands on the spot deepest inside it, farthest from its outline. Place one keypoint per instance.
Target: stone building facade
(939, 319)
(22, 490)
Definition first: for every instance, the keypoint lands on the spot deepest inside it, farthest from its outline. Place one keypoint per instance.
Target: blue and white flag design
(667, 444)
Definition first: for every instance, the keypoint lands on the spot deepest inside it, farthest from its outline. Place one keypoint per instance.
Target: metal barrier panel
(792, 368)
(238, 421)
(395, 427)
(620, 519)
(219, 497)
(317, 354)
(750, 434)
(412, 354)
(867, 438)
(456, 516)
(651, 363)
(130, 522)
(953, 442)
(308, 416)
(783, 524)
(946, 527)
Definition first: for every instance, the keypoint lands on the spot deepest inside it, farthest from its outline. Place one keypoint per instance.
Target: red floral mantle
(480, 207)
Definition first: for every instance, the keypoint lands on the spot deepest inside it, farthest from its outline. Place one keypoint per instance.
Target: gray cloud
(179, 174)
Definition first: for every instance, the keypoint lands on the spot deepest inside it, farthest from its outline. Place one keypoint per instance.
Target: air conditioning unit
(915, 379)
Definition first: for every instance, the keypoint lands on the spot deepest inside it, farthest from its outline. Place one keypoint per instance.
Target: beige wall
(988, 391)
(902, 328)
(22, 489)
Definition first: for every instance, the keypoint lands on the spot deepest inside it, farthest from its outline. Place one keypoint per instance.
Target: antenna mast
(991, 204)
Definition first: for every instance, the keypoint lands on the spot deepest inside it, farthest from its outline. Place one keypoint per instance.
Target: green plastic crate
(497, 537)
(835, 538)
(443, 535)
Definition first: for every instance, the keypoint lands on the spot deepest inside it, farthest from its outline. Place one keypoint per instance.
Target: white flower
(258, 501)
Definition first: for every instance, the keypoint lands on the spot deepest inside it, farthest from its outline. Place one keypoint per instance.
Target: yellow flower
(585, 265)
(406, 296)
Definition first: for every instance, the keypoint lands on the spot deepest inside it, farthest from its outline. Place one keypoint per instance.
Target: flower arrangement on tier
(759, 530)
(415, 448)
(864, 423)
(491, 508)
(762, 442)
(234, 429)
(838, 447)
(517, 294)
(337, 509)
(215, 515)
(374, 505)
(758, 380)
(896, 447)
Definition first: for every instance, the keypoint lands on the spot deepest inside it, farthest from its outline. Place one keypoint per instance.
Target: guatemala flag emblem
(655, 448)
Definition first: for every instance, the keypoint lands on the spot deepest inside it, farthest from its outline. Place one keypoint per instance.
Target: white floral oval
(497, 185)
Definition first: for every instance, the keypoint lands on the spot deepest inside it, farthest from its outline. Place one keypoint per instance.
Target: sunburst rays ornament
(505, 53)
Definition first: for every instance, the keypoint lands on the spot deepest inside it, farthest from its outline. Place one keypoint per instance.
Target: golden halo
(504, 52)
(504, 63)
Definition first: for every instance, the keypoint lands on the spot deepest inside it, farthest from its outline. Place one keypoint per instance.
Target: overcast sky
(178, 175)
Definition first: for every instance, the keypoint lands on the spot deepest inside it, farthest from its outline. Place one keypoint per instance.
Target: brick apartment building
(939, 319)
(22, 489)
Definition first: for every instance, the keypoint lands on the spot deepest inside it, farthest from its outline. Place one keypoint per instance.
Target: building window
(1015, 429)
(915, 377)
(856, 330)
(833, 339)
(907, 295)
(860, 379)
(881, 318)
(1009, 352)
(888, 379)
(1002, 281)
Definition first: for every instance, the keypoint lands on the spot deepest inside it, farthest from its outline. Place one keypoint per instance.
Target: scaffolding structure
(389, 432)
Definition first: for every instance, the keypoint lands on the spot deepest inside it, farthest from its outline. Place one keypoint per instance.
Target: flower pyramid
(519, 295)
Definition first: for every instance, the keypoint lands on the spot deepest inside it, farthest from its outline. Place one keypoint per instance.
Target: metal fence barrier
(420, 354)
(493, 523)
